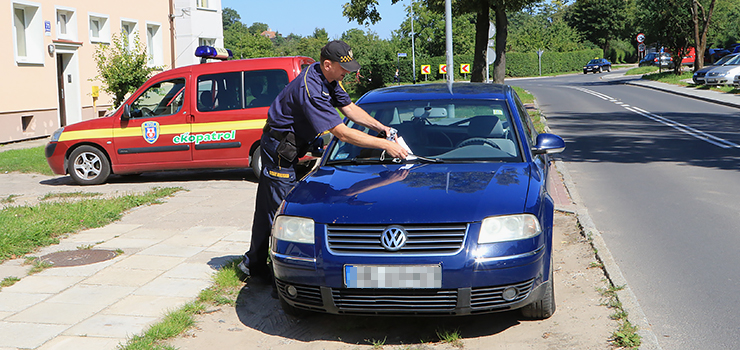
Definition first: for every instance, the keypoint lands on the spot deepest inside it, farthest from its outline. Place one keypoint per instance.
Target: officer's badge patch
(150, 131)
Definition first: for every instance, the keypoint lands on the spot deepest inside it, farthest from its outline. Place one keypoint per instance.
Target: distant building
(49, 76)
(269, 34)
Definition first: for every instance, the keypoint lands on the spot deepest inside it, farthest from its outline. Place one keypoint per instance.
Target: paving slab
(82, 343)
(55, 313)
(27, 335)
(111, 326)
(146, 305)
(14, 302)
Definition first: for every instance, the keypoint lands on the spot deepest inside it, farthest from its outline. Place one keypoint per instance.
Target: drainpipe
(172, 34)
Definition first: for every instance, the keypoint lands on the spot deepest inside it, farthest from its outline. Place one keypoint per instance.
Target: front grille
(395, 301)
(307, 295)
(700, 74)
(486, 298)
(438, 239)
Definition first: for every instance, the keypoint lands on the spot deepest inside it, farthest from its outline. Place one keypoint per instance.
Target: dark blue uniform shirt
(307, 105)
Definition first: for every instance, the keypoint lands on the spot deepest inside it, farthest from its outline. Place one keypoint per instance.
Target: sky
(302, 17)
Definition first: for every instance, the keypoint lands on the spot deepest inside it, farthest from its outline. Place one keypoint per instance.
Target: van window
(263, 86)
(220, 92)
(163, 98)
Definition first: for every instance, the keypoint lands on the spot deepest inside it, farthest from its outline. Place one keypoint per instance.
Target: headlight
(508, 228)
(293, 229)
(56, 135)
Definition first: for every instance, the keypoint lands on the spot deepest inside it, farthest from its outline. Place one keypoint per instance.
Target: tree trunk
(502, 24)
(481, 44)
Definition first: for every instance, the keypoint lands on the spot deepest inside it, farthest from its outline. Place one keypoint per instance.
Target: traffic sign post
(426, 69)
(443, 70)
(465, 69)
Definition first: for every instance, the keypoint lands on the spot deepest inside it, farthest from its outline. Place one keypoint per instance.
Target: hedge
(380, 73)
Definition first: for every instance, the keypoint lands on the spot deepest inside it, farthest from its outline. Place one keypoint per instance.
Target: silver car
(725, 74)
(700, 75)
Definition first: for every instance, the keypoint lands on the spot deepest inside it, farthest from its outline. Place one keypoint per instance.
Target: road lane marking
(701, 135)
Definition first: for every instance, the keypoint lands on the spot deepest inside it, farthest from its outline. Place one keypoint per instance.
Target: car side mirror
(548, 143)
(126, 112)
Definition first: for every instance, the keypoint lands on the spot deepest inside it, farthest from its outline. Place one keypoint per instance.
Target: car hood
(705, 69)
(725, 69)
(386, 194)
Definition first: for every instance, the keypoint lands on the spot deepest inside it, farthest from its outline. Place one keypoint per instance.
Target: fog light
(510, 293)
(292, 292)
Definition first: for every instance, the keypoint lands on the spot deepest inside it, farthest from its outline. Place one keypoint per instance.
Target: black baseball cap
(339, 51)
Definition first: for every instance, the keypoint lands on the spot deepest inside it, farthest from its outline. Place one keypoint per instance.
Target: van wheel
(256, 163)
(88, 166)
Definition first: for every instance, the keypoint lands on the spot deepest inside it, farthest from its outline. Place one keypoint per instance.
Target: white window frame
(154, 44)
(103, 31)
(33, 32)
(68, 30)
(134, 30)
(206, 41)
(202, 4)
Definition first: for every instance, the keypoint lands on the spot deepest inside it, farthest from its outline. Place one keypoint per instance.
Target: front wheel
(545, 307)
(256, 162)
(88, 166)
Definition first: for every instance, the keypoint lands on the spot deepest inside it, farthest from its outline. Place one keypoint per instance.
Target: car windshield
(733, 61)
(440, 131)
(594, 61)
(724, 60)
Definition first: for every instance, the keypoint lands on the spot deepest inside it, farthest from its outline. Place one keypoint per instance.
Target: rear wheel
(88, 166)
(256, 162)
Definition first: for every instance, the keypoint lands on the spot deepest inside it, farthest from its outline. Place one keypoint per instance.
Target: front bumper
(410, 302)
(56, 157)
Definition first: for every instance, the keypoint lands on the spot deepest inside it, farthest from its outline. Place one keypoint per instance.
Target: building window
(28, 32)
(128, 30)
(154, 44)
(206, 42)
(66, 24)
(99, 28)
(202, 3)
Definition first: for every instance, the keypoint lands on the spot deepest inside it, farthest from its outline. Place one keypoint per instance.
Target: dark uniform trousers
(277, 179)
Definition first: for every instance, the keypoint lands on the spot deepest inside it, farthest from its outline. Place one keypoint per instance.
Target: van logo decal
(207, 137)
(150, 130)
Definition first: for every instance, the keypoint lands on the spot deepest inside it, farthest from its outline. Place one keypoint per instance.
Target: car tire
(584, 72)
(609, 69)
(256, 163)
(598, 70)
(545, 307)
(88, 165)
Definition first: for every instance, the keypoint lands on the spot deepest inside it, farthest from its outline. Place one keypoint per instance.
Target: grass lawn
(29, 160)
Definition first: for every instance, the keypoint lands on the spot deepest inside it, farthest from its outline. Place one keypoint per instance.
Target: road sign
(640, 38)
(426, 69)
(442, 69)
(464, 68)
(401, 54)
(641, 47)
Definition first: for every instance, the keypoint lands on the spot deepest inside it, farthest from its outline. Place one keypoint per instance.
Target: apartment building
(49, 76)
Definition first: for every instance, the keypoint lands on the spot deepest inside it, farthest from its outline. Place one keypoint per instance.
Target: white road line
(717, 141)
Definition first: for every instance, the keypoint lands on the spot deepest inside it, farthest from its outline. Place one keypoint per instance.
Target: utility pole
(413, 48)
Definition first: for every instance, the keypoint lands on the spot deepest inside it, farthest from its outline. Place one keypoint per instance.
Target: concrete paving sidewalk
(170, 252)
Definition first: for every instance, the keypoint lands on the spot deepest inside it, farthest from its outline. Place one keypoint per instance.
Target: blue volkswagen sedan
(463, 226)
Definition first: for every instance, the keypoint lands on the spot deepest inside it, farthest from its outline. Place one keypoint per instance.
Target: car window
(220, 92)
(531, 132)
(160, 99)
(447, 130)
(262, 87)
(594, 62)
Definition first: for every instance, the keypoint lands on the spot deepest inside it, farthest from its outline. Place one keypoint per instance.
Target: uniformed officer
(304, 110)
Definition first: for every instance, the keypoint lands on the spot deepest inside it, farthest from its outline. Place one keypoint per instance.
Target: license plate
(399, 277)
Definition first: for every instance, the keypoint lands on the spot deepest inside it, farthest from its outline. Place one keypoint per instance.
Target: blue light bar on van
(218, 53)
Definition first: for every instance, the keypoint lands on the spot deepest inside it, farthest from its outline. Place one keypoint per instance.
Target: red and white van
(209, 115)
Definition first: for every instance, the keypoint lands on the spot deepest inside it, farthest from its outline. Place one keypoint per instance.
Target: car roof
(438, 91)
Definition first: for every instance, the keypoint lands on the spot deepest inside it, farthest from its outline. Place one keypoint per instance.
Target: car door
(158, 116)
(231, 112)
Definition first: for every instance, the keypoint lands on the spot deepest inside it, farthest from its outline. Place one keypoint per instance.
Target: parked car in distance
(597, 65)
(699, 76)
(724, 74)
(463, 226)
(714, 55)
(200, 116)
(661, 60)
(736, 81)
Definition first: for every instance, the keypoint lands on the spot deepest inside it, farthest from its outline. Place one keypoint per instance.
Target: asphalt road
(659, 176)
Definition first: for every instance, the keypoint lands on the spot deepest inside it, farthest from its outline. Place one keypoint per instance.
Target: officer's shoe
(244, 269)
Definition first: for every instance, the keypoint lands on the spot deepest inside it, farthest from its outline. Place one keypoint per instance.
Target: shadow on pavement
(166, 176)
(257, 309)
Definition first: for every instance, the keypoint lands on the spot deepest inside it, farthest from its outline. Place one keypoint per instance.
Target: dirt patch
(580, 322)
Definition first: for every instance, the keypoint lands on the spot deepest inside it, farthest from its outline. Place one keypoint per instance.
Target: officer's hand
(395, 150)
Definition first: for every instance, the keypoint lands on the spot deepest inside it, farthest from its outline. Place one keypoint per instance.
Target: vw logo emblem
(393, 238)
